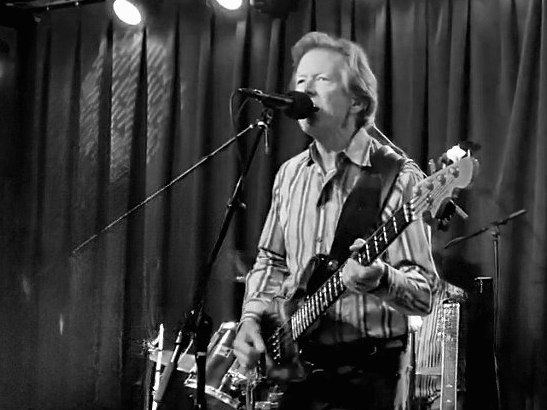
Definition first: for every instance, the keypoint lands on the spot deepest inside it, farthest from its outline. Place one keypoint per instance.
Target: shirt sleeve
(269, 271)
(410, 280)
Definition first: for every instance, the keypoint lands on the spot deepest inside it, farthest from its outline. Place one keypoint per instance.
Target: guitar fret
(339, 285)
(318, 301)
(367, 252)
(321, 298)
(394, 221)
(385, 235)
(375, 246)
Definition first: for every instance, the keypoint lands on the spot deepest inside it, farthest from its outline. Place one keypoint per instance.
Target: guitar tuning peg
(460, 212)
(444, 215)
(432, 167)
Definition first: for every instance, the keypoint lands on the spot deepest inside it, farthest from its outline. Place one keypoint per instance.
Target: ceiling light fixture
(230, 4)
(127, 12)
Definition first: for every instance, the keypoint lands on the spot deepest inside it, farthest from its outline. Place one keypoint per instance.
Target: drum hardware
(224, 382)
(429, 371)
(261, 394)
(186, 361)
(227, 386)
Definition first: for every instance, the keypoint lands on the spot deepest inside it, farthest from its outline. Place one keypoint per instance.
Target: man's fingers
(248, 344)
(358, 244)
(258, 342)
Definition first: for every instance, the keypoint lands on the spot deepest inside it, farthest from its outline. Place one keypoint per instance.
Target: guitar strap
(361, 211)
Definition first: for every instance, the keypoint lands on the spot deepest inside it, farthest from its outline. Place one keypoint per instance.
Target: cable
(387, 141)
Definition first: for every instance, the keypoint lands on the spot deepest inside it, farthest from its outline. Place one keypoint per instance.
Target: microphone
(294, 104)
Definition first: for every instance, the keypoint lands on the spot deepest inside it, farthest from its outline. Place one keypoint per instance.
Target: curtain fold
(109, 115)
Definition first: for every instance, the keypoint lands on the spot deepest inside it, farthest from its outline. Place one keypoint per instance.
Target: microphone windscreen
(302, 107)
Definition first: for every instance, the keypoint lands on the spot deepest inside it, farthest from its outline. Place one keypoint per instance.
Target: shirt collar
(358, 151)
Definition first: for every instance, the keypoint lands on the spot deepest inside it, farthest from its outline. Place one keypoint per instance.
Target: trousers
(347, 378)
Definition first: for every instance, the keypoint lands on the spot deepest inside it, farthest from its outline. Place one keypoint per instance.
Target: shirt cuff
(253, 310)
(382, 290)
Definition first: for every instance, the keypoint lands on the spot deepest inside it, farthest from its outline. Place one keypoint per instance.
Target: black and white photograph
(273, 204)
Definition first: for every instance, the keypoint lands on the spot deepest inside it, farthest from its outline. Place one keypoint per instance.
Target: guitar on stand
(450, 331)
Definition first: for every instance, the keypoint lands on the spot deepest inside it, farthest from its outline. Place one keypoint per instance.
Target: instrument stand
(197, 324)
(494, 229)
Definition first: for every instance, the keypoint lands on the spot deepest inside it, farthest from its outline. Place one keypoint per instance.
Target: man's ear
(356, 105)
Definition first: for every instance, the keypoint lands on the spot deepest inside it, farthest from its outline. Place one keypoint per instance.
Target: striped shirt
(306, 204)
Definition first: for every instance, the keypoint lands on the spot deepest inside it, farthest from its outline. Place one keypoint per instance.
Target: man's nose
(310, 87)
(307, 86)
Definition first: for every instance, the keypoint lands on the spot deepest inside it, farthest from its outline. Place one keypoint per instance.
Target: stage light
(230, 4)
(127, 12)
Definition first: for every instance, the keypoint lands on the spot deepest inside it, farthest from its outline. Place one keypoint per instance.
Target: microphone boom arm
(165, 187)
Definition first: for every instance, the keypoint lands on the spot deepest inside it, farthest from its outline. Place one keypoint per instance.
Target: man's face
(321, 73)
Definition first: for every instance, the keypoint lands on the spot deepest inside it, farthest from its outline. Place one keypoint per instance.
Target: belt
(356, 353)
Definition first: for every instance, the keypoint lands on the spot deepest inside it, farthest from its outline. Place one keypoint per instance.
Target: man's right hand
(248, 344)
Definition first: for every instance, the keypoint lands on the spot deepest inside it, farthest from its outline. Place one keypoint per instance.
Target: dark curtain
(96, 117)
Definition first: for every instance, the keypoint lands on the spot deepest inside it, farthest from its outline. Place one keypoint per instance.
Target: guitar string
(387, 229)
(377, 234)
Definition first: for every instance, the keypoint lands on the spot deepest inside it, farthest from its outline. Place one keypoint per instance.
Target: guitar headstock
(433, 193)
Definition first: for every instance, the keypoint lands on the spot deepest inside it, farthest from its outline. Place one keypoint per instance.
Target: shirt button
(319, 240)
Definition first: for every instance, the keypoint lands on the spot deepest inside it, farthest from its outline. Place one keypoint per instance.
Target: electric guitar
(289, 319)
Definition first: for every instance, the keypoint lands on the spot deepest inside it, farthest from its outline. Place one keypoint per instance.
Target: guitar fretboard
(315, 305)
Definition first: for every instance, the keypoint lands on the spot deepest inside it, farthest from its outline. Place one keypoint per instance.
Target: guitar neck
(316, 304)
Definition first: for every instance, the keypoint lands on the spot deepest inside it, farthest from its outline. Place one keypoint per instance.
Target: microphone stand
(197, 323)
(494, 229)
